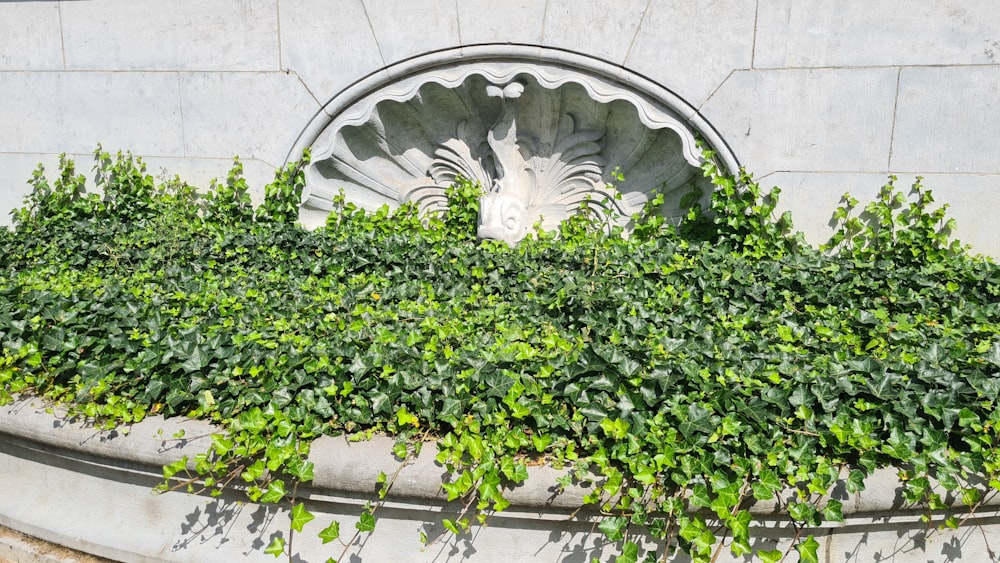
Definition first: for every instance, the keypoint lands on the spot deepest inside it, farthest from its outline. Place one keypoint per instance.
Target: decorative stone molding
(545, 136)
(71, 484)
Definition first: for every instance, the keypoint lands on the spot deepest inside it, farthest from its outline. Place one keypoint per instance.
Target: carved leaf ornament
(541, 139)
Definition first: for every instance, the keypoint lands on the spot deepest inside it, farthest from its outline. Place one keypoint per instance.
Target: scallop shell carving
(543, 143)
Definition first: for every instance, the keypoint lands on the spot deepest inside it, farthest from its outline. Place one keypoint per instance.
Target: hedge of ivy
(690, 369)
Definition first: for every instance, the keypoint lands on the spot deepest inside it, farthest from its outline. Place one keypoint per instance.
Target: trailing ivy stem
(721, 544)
(291, 529)
(380, 502)
(986, 540)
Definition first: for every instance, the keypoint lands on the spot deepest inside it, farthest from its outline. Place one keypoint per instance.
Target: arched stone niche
(545, 133)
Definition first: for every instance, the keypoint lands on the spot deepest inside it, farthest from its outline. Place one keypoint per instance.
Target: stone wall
(816, 97)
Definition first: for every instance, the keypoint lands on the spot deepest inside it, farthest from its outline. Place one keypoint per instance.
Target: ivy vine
(688, 371)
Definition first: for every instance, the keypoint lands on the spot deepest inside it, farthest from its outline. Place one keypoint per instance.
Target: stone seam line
(638, 29)
(892, 132)
(378, 45)
(62, 38)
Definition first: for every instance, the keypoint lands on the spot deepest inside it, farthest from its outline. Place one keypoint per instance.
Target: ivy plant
(687, 371)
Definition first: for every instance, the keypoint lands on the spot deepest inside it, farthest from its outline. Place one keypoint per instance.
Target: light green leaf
(275, 492)
(330, 533)
(366, 523)
(277, 547)
(300, 517)
(630, 553)
(450, 526)
(809, 550)
(221, 444)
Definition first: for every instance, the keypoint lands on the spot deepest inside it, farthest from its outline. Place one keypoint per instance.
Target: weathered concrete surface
(19, 548)
(718, 40)
(54, 112)
(407, 29)
(819, 33)
(812, 197)
(325, 52)
(831, 120)
(518, 21)
(235, 35)
(610, 29)
(243, 114)
(935, 132)
(31, 36)
(802, 87)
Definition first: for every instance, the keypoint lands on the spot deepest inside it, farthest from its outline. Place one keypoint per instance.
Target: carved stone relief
(543, 140)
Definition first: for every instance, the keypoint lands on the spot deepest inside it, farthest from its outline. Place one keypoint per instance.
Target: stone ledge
(352, 467)
(80, 487)
(19, 548)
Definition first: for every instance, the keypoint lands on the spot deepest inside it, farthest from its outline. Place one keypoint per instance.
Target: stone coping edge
(20, 548)
(352, 468)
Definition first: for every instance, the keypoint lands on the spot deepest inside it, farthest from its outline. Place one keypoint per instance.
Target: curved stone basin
(90, 490)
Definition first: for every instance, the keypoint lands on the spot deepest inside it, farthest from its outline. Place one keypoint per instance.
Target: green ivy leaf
(808, 550)
(451, 527)
(739, 524)
(300, 468)
(855, 481)
(300, 517)
(330, 533)
(277, 547)
(803, 512)
(993, 355)
(221, 444)
(833, 511)
(366, 522)
(275, 492)
(630, 553)
(766, 486)
(700, 497)
(613, 527)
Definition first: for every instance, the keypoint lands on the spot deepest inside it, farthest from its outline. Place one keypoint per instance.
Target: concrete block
(250, 115)
(26, 549)
(405, 29)
(327, 48)
(178, 35)
(972, 201)
(199, 172)
(511, 21)
(55, 112)
(15, 172)
(30, 32)
(812, 198)
(881, 540)
(692, 47)
(830, 120)
(948, 120)
(594, 27)
(811, 33)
